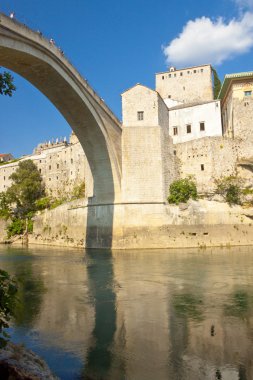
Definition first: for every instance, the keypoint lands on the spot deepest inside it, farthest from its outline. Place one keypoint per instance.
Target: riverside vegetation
(26, 196)
(229, 188)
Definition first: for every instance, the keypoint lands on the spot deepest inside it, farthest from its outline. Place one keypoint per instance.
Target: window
(71, 160)
(194, 71)
(188, 128)
(140, 115)
(163, 77)
(181, 74)
(169, 96)
(175, 75)
(202, 126)
(49, 167)
(202, 167)
(201, 70)
(57, 166)
(188, 72)
(175, 131)
(247, 93)
(169, 75)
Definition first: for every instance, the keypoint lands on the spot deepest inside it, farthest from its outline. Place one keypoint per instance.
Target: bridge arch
(30, 55)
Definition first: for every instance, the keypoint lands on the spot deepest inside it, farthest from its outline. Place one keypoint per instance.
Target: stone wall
(211, 158)
(195, 224)
(62, 226)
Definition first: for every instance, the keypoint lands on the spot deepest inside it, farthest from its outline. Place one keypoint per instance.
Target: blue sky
(116, 44)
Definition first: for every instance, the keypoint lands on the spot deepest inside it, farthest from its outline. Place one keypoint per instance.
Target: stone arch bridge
(29, 54)
(32, 56)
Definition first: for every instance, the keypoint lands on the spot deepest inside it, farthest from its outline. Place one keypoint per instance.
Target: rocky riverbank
(18, 363)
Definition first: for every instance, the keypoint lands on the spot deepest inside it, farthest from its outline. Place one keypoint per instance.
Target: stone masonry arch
(33, 57)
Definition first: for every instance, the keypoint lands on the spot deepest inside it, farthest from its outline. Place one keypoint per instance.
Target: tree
(5, 209)
(26, 188)
(216, 84)
(182, 190)
(6, 84)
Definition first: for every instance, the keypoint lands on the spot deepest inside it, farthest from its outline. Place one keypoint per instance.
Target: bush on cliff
(229, 189)
(182, 190)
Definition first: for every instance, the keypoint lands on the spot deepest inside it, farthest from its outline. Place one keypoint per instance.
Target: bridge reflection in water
(182, 314)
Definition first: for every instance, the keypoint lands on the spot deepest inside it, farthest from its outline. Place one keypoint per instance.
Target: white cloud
(206, 41)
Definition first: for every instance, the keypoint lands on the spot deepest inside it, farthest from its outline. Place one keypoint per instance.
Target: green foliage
(79, 191)
(43, 203)
(247, 191)
(229, 189)
(18, 227)
(5, 206)
(8, 290)
(57, 202)
(182, 190)
(26, 189)
(6, 84)
(216, 84)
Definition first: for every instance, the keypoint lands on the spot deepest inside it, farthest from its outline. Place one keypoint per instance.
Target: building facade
(237, 105)
(62, 165)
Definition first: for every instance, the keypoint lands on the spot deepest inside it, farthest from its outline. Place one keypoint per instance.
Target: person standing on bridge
(12, 15)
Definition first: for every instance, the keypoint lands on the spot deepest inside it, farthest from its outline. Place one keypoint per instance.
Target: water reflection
(137, 315)
(101, 283)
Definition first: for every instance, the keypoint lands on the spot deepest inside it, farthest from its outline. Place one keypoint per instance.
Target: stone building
(192, 84)
(237, 105)
(177, 131)
(62, 165)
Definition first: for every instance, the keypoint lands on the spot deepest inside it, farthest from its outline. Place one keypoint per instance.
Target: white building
(193, 121)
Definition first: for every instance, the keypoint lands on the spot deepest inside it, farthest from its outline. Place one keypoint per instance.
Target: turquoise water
(170, 314)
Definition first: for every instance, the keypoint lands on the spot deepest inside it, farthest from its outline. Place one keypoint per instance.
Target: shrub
(229, 189)
(57, 202)
(43, 203)
(79, 191)
(17, 227)
(182, 190)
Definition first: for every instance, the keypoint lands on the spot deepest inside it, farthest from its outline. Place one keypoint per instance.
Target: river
(136, 315)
